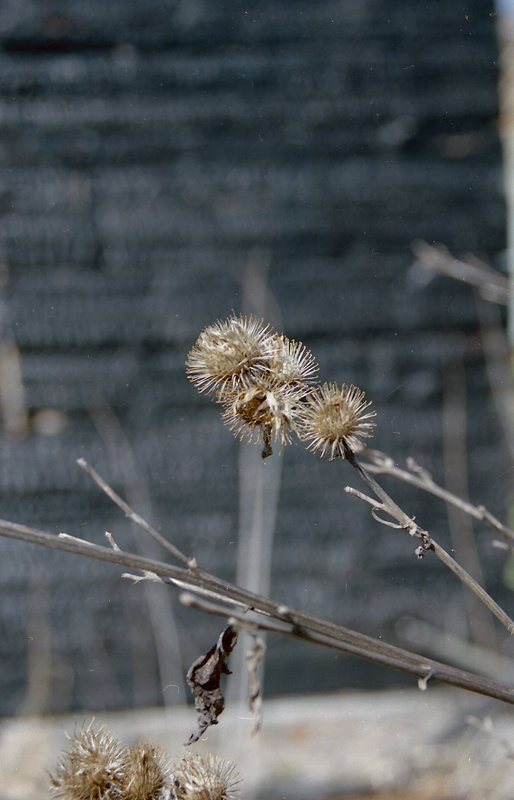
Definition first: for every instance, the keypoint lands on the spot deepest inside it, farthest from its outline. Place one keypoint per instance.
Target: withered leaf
(204, 676)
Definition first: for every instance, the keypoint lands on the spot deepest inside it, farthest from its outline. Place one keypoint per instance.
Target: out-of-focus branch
(492, 285)
(13, 405)
(496, 350)
(414, 632)
(455, 461)
(159, 603)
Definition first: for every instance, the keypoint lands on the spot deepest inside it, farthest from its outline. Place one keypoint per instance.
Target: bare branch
(496, 349)
(134, 517)
(441, 644)
(427, 542)
(389, 656)
(502, 546)
(380, 464)
(274, 617)
(493, 286)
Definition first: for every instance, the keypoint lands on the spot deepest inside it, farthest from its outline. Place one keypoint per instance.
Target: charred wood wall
(153, 158)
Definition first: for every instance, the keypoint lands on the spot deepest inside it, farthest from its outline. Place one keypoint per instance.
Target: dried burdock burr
(92, 767)
(205, 777)
(334, 418)
(148, 774)
(292, 362)
(259, 376)
(96, 766)
(228, 354)
(266, 408)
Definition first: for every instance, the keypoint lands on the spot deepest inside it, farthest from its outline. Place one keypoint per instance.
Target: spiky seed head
(266, 408)
(205, 777)
(333, 417)
(96, 766)
(93, 767)
(147, 774)
(228, 353)
(292, 362)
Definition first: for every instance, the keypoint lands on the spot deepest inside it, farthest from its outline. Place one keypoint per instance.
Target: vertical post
(505, 28)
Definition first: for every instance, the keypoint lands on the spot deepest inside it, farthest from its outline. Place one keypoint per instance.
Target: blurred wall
(162, 163)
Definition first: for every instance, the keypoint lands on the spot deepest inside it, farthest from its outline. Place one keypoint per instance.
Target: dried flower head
(229, 354)
(266, 408)
(334, 418)
(93, 767)
(148, 775)
(291, 362)
(199, 777)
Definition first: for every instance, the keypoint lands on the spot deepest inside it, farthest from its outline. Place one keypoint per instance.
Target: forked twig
(271, 616)
(493, 285)
(381, 464)
(407, 523)
(132, 515)
(425, 669)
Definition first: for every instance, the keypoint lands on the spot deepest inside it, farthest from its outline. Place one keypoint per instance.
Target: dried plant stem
(272, 616)
(493, 285)
(381, 464)
(425, 669)
(470, 582)
(407, 523)
(133, 516)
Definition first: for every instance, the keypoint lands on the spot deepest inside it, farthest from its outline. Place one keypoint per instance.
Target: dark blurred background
(161, 164)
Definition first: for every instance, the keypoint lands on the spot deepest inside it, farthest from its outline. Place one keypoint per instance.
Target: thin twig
(497, 359)
(381, 464)
(132, 515)
(493, 285)
(423, 668)
(503, 546)
(470, 582)
(441, 644)
(460, 526)
(161, 614)
(273, 616)
(388, 505)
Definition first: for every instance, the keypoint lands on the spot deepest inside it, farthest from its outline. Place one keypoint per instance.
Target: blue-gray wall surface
(157, 160)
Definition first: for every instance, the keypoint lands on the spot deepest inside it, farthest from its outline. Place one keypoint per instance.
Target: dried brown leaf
(204, 677)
